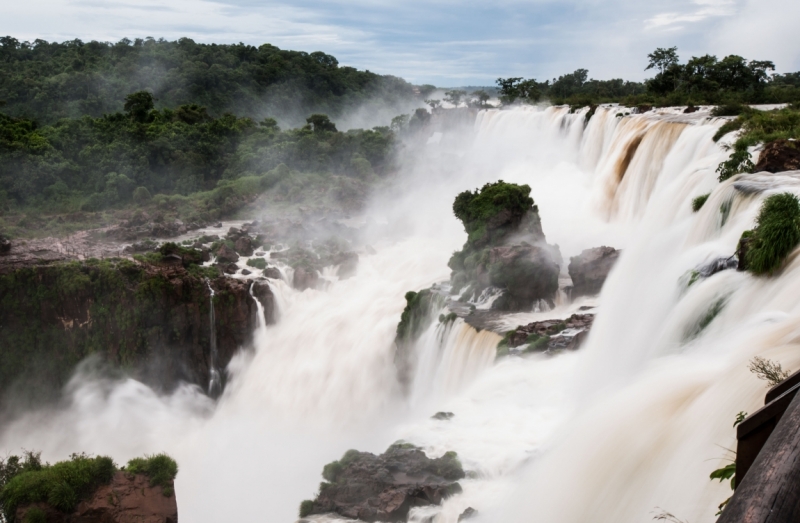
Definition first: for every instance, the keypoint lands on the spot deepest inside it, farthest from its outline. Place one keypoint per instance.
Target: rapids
(630, 425)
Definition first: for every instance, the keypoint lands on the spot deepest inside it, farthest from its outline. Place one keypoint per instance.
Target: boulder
(552, 334)
(467, 514)
(246, 272)
(779, 156)
(263, 293)
(590, 269)
(127, 499)
(384, 488)
(528, 273)
(244, 246)
(226, 255)
(272, 273)
(305, 279)
(230, 268)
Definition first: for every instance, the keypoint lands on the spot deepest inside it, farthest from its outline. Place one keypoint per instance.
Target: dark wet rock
(155, 322)
(443, 416)
(263, 292)
(590, 269)
(273, 273)
(552, 334)
(5, 245)
(226, 255)
(305, 279)
(467, 514)
(527, 273)
(230, 268)
(384, 488)
(779, 156)
(246, 272)
(244, 246)
(718, 265)
(127, 498)
(260, 253)
(691, 109)
(218, 224)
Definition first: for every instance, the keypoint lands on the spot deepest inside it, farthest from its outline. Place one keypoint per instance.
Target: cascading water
(214, 378)
(631, 424)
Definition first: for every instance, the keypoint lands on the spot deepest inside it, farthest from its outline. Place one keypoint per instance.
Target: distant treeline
(701, 80)
(46, 81)
(92, 163)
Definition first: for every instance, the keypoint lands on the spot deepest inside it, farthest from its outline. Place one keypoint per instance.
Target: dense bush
(777, 233)
(698, 202)
(479, 210)
(61, 485)
(160, 468)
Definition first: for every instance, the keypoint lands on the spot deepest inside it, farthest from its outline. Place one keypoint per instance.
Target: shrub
(333, 470)
(475, 210)
(160, 468)
(776, 235)
(768, 370)
(61, 485)
(739, 162)
(698, 202)
(258, 263)
(306, 506)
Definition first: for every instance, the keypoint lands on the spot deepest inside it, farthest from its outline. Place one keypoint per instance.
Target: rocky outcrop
(506, 248)
(779, 156)
(550, 335)
(244, 246)
(384, 488)
(416, 317)
(305, 278)
(128, 498)
(590, 269)
(226, 255)
(151, 319)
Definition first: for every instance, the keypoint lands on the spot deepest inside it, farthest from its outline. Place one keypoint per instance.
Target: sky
(442, 42)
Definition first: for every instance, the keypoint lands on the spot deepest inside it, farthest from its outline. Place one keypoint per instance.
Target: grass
(776, 234)
(698, 202)
(160, 468)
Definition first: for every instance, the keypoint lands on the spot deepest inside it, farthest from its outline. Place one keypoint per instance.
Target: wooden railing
(768, 460)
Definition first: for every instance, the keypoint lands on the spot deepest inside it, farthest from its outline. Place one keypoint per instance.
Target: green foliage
(536, 342)
(740, 417)
(141, 195)
(61, 485)
(306, 506)
(476, 209)
(776, 234)
(416, 315)
(258, 263)
(698, 202)
(50, 81)
(726, 472)
(333, 470)
(448, 318)
(739, 162)
(35, 515)
(160, 468)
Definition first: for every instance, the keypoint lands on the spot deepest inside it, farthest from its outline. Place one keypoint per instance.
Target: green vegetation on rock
(160, 469)
(776, 234)
(698, 202)
(61, 485)
(492, 212)
(416, 316)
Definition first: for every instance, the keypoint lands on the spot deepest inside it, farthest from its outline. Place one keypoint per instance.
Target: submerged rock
(590, 269)
(467, 514)
(128, 498)
(384, 488)
(444, 416)
(779, 156)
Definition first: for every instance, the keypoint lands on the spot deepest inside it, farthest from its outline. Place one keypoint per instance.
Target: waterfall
(214, 378)
(630, 424)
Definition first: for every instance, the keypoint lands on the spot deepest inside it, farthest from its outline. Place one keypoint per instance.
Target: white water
(634, 421)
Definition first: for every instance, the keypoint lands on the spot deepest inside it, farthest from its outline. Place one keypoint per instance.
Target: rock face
(506, 248)
(779, 156)
(384, 488)
(152, 320)
(127, 499)
(590, 269)
(244, 246)
(305, 279)
(226, 255)
(551, 335)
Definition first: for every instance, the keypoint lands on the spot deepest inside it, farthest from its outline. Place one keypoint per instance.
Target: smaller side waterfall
(261, 322)
(214, 379)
